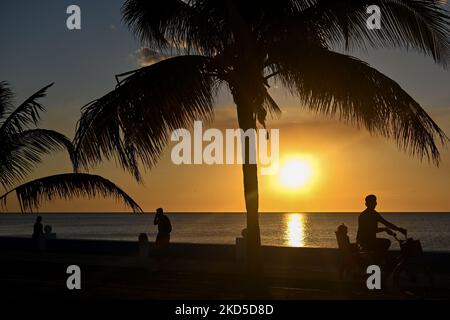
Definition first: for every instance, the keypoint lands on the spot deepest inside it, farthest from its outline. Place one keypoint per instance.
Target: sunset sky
(346, 163)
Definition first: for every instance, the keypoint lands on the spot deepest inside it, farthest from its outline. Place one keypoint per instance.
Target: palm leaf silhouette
(22, 151)
(26, 114)
(421, 25)
(354, 92)
(5, 99)
(135, 119)
(67, 186)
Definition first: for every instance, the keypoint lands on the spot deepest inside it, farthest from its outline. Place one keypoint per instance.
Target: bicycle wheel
(414, 278)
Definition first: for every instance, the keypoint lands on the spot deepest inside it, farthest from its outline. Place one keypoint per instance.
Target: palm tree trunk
(247, 121)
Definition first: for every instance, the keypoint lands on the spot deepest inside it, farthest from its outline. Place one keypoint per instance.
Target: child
(344, 240)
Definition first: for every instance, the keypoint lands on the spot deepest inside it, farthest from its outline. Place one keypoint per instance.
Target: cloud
(146, 56)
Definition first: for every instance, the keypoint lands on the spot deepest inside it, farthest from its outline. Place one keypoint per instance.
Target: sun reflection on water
(295, 230)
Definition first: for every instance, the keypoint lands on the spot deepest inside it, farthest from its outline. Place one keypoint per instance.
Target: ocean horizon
(277, 229)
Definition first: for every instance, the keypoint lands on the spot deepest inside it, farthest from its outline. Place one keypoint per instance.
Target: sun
(295, 173)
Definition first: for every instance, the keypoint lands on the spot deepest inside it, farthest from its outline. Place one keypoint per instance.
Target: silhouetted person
(164, 228)
(48, 234)
(38, 228)
(368, 228)
(342, 231)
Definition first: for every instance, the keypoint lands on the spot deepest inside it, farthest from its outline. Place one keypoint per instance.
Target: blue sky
(38, 49)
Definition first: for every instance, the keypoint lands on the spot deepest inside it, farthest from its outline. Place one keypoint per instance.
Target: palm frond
(412, 24)
(23, 151)
(209, 27)
(5, 99)
(133, 121)
(157, 22)
(271, 106)
(68, 186)
(343, 86)
(199, 26)
(25, 114)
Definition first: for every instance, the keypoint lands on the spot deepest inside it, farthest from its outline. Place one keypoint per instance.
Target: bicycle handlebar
(400, 240)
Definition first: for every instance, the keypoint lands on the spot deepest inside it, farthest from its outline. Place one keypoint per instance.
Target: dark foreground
(115, 270)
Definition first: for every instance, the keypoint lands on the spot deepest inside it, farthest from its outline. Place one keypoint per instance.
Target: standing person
(164, 229)
(38, 228)
(368, 228)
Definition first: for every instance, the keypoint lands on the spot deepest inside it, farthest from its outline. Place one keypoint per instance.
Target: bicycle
(409, 272)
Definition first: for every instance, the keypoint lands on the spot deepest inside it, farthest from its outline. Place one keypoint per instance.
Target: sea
(277, 229)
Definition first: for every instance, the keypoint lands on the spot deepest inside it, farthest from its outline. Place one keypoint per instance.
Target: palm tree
(22, 148)
(244, 46)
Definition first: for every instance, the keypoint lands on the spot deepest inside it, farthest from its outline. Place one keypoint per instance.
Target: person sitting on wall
(48, 234)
